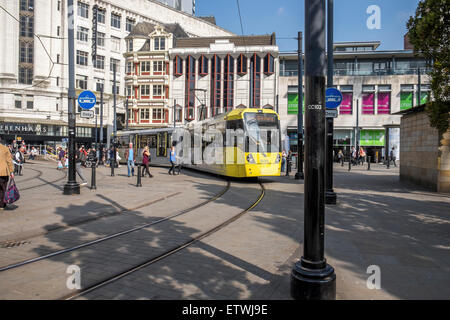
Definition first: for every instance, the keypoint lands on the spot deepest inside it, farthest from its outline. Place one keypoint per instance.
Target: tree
(429, 33)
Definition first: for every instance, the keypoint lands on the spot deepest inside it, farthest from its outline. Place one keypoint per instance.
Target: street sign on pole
(87, 100)
(333, 98)
(87, 114)
(331, 113)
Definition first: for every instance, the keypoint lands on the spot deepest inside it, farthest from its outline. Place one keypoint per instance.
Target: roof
(203, 42)
(373, 44)
(417, 109)
(359, 54)
(210, 19)
(145, 28)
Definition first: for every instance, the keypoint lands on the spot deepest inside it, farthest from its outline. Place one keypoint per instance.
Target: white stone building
(34, 57)
(375, 85)
(213, 75)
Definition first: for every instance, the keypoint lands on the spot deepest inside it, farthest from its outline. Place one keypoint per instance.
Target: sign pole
(115, 122)
(71, 187)
(312, 278)
(330, 195)
(299, 175)
(101, 121)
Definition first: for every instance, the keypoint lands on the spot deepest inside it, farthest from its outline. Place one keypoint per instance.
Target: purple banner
(384, 102)
(368, 103)
(347, 103)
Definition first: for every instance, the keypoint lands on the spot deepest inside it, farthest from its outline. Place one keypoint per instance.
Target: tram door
(162, 144)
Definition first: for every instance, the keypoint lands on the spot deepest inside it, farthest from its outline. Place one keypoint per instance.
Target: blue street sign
(87, 100)
(333, 98)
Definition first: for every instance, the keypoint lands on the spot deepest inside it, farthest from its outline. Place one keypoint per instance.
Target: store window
(346, 106)
(384, 99)
(368, 99)
(406, 96)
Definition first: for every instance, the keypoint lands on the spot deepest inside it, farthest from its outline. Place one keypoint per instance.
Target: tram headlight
(277, 160)
(250, 159)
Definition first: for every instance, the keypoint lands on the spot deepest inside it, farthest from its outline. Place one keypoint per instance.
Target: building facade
(214, 75)
(187, 6)
(374, 84)
(34, 61)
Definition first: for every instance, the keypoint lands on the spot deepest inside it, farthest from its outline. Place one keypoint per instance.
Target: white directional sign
(87, 114)
(331, 113)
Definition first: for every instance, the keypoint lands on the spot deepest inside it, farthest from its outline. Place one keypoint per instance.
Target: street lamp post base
(330, 197)
(310, 284)
(299, 175)
(71, 187)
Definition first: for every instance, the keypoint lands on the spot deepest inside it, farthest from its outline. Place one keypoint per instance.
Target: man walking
(392, 156)
(18, 161)
(6, 171)
(78, 156)
(131, 157)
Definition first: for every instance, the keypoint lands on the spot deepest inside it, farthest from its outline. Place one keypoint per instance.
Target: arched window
(190, 88)
(242, 65)
(177, 66)
(203, 66)
(269, 64)
(228, 83)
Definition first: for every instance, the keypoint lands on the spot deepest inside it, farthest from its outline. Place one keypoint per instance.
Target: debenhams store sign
(12, 128)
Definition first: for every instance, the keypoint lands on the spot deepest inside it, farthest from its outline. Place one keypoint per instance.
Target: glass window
(115, 20)
(157, 114)
(346, 106)
(115, 44)
(268, 64)
(26, 52)
(130, 45)
(99, 62)
(178, 66)
(242, 65)
(157, 90)
(29, 104)
(129, 67)
(130, 24)
(145, 114)
(82, 34)
(101, 16)
(203, 65)
(82, 58)
(158, 66)
(145, 66)
(228, 83)
(368, 100)
(81, 82)
(25, 75)
(160, 43)
(100, 39)
(145, 90)
(83, 9)
(114, 62)
(18, 104)
(26, 26)
(27, 5)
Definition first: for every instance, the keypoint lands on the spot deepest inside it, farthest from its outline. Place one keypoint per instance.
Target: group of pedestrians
(286, 162)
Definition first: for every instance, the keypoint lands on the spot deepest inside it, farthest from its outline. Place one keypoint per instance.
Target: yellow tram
(243, 143)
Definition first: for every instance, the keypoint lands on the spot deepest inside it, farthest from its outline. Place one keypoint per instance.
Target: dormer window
(159, 43)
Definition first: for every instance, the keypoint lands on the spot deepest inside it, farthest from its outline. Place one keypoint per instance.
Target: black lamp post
(299, 175)
(71, 187)
(312, 278)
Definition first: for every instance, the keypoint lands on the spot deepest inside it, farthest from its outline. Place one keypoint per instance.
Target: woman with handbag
(6, 171)
(146, 162)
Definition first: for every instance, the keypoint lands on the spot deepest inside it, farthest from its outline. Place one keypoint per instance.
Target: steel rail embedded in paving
(167, 253)
(115, 235)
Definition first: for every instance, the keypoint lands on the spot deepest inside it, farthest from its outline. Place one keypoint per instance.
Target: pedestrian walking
(78, 162)
(173, 160)
(392, 156)
(362, 155)
(354, 155)
(131, 158)
(341, 157)
(146, 162)
(289, 163)
(283, 161)
(6, 172)
(18, 161)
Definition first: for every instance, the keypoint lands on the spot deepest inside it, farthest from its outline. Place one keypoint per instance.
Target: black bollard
(349, 163)
(93, 177)
(368, 163)
(139, 183)
(388, 162)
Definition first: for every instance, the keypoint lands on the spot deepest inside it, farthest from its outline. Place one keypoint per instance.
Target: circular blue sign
(333, 98)
(87, 100)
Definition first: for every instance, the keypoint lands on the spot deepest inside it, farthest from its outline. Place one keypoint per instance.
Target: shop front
(373, 142)
(342, 140)
(43, 134)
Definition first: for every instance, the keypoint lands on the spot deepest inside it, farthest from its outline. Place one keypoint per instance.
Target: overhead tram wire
(46, 51)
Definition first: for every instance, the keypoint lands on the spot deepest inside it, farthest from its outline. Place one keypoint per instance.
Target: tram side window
(152, 142)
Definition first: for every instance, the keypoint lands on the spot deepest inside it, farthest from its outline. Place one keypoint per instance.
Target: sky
(286, 18)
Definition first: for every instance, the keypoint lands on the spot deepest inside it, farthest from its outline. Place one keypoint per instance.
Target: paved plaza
(378, 221)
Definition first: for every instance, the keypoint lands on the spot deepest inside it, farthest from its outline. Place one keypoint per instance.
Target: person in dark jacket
(146, 162)
(78, 156)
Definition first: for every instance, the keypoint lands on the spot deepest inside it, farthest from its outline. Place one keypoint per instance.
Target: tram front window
(262, 131)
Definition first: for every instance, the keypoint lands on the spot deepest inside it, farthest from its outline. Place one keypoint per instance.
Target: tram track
(40, 173)
(190, 242)
(115, 235)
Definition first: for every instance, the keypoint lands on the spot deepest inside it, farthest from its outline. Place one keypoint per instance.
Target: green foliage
(429, 33)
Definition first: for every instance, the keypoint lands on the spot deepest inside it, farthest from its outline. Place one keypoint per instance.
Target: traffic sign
(331, 113)
(87, 100)
(87, 114)
(333, 98)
